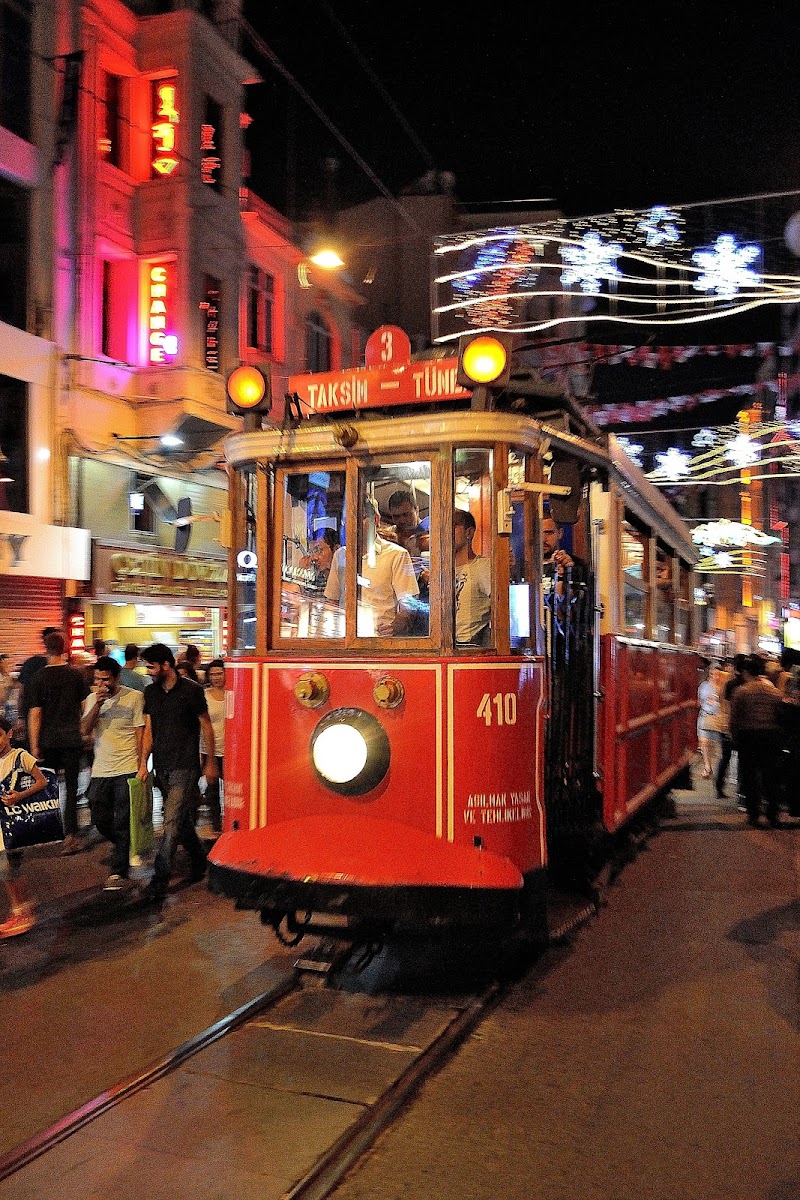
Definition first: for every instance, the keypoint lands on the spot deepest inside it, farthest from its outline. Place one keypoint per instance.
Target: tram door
(571, 795)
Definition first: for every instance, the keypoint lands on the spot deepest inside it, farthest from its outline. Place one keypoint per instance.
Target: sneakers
(18, 923)
(115, 883)
(71, 845)
(153, 893)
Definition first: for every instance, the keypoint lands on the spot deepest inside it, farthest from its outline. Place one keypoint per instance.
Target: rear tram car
(464, 653)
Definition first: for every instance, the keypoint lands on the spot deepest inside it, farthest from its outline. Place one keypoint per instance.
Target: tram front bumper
(365, 869)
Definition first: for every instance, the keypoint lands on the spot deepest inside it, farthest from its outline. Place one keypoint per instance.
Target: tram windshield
(391, 564)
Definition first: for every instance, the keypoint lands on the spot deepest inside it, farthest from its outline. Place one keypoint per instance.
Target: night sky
(628, 106)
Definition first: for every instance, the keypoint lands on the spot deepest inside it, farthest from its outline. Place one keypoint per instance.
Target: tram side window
(635, 581)
(665, 595)
(472, 549)
(683, 623)
(247, 566)
(312, 534)
(521, 568)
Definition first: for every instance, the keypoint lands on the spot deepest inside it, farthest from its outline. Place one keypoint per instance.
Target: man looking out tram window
(387, 584)
(473, 584)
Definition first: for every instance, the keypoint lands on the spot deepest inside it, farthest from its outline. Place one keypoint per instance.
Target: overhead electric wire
(261, 46)
(378, 84)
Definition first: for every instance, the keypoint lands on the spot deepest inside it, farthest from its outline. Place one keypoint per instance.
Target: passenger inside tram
(473, 584)
(387, 586)
(321, 549)
(556, 560)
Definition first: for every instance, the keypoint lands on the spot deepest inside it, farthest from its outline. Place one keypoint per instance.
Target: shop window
(319, 343)
(260, 310)
(113, 136)
(142, 507)
(14, 249)
(15, 66)
(13, 445)
(118, 308)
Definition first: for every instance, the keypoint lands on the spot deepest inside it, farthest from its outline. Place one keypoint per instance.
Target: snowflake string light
(633, 450)
(723, 559)
(674, 464)
(725, 267)
(499, 268)
(742, 451)
(590, 262)
(659, 227)
(704, 439)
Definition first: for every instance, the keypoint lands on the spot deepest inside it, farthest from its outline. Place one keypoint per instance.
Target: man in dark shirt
(55, 696)
(756, 733)
(29, 668)
(175, 711)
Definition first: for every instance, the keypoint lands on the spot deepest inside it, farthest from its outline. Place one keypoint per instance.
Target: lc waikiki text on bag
(34, 822)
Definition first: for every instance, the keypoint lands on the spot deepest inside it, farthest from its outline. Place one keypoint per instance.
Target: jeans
(759, 771)
(68, 760)
(724, 763)
(178, 787)
(213, 796)
(110, 802)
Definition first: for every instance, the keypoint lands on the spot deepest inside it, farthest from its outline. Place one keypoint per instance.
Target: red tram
(464, 653)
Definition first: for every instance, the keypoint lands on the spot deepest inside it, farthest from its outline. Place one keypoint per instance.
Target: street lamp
(170, 441)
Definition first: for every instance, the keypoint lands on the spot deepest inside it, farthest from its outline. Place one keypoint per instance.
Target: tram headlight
(350, 751)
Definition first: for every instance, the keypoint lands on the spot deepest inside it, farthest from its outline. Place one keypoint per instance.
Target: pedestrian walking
(129, 676)
(734, 678)
(114, 716)
(175, 712)
(56, 695)
(756, 730)
(708, 734)
(30, 667)
(13, 762)
(215, 698)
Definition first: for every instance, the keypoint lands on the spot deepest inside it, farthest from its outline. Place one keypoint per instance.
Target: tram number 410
(499, 709)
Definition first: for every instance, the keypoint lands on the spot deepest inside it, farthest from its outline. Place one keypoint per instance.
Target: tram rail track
(445, 1025)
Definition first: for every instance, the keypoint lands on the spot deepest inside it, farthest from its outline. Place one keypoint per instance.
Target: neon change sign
(161, 345)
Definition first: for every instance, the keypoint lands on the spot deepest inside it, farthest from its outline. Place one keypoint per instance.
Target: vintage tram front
(411, 694)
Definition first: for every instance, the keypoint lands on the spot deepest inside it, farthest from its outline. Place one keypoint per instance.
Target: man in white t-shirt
(473, 584)
(386, 582)
(114, 716)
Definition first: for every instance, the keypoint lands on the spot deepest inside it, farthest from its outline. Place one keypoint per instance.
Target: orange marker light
(246, 388)
(484, 359)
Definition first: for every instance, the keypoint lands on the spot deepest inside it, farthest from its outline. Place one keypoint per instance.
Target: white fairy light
(673, 464)
(713, 534)
(725, 267)
(704, 439)
(632, 449)
(588, 263)
(659, 226)
(741, 451)
(723, 559)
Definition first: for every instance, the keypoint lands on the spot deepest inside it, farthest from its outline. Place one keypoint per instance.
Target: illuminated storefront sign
(164, 127)
(211, 307)
(162, 346)
(76, 633)
(211, 145)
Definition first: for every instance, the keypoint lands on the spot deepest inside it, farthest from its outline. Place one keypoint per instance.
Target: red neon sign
(161, 345)
(164, 127)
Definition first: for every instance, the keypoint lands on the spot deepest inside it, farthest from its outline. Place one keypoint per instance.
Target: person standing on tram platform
(473, 584)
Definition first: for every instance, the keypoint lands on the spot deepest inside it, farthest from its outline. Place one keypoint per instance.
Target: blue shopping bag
(34, 822)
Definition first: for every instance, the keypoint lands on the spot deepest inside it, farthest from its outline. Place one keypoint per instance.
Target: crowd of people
(750, 705)
(157, 719)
